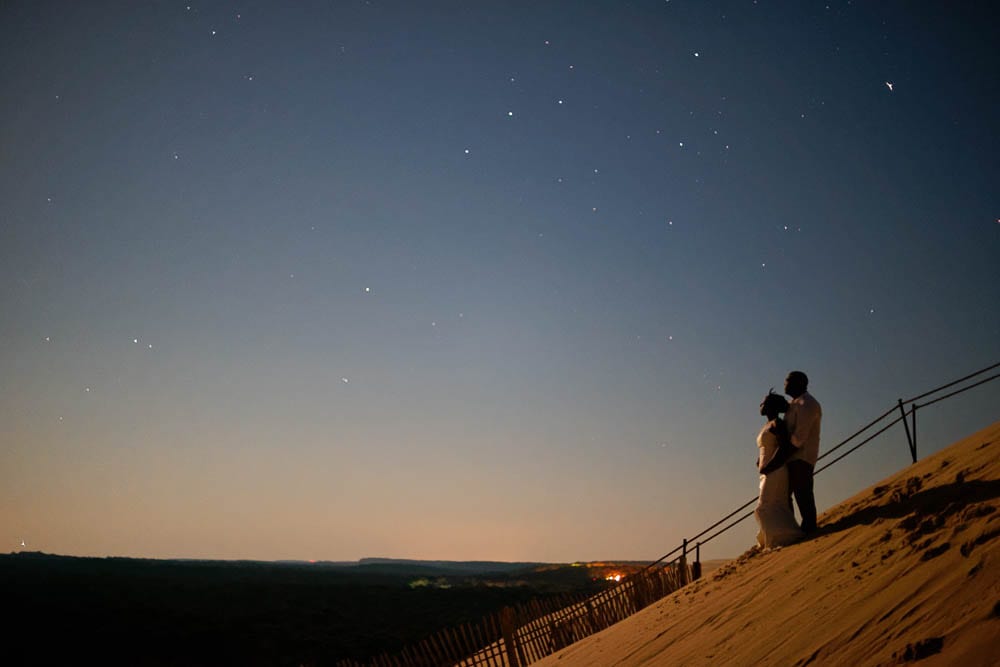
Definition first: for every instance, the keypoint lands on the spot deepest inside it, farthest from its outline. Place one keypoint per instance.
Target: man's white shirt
(803, 418)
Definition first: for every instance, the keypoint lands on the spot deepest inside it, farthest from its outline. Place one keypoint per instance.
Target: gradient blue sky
(474, 280)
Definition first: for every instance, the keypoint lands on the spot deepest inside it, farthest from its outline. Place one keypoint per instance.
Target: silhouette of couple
(788, 449)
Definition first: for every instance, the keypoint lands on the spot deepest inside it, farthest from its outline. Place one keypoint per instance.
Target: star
(466, 151)
(510, 114)
(368, 290)
(344, 380)
(889, 85)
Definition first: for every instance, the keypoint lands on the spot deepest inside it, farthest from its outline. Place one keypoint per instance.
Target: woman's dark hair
(773, 403)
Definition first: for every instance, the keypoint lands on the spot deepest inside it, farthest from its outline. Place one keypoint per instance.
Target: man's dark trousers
(800, 485)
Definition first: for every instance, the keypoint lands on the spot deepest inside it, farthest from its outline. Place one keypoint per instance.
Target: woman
(773, 512)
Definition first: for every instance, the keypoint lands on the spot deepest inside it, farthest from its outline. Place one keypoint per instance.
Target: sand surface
(907, 570)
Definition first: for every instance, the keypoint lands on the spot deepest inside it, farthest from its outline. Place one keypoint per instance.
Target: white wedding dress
(774, 514)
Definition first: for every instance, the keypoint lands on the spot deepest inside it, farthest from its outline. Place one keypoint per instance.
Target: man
(803, 419)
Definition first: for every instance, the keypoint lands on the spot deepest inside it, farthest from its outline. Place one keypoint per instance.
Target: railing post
(906, 426)
(913, 420)
(697, 561)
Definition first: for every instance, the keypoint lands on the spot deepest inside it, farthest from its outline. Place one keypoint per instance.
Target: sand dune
(907, 570)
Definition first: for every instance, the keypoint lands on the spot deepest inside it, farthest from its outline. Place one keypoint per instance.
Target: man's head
(796, 383)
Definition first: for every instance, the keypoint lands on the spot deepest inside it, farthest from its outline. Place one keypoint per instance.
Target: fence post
(590, 615)
(682, 566)
(697, 561)
(508, 628)
(906, 426)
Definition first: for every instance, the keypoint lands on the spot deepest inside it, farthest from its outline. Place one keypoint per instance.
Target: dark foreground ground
(115, 611)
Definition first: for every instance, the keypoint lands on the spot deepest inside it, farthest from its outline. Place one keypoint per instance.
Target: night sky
(475, 280)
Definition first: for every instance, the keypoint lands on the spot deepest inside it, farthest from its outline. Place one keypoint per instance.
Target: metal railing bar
(576, 608)
(861, 444)
(843, 455)
(754, 499)
(734, 523)
(857, 433)
(750, 514)
(951, 384)
(691, 539)
(666, 555)
(959, 391)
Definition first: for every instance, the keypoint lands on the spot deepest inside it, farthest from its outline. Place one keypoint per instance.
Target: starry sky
(475, 280)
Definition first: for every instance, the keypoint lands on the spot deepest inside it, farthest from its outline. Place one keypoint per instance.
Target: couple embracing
(788, 450)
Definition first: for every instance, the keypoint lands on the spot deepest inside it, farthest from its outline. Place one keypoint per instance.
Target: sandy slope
(906, 570)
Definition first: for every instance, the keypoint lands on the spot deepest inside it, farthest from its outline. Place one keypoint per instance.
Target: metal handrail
(959, 391)
(952, 383)
(515, 657)
(902, 418)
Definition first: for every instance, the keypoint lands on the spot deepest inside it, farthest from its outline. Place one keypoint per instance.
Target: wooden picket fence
(520, 635)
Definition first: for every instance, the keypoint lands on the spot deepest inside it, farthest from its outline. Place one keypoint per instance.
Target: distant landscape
(158, 612)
